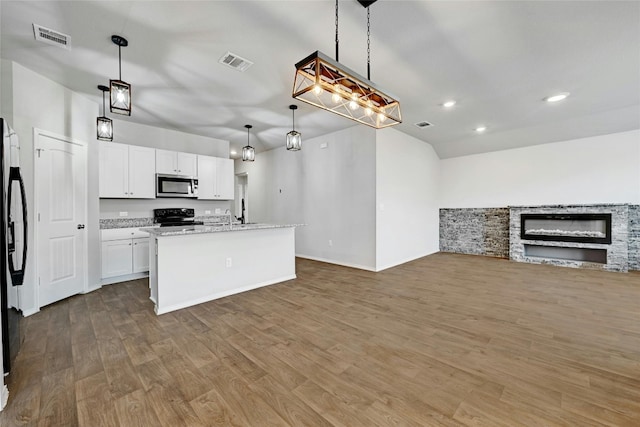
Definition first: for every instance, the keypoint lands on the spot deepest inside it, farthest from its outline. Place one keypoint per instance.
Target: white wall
(126, 132)
(41, 103)
(599, 169)
(407, 186)
(331, 190)
(339, 198)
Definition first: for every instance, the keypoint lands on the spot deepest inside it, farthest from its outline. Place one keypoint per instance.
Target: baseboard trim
(223, 294)
(404, 261)
(125, 278)
(330, 261)
(4, 396)
(30, 312)
(94, 288)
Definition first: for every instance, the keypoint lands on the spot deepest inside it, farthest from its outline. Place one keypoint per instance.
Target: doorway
(60, 217)
(241, 200)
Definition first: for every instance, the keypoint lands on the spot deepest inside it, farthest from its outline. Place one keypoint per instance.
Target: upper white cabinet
(215, 178)
(126, 171)
(176, 163)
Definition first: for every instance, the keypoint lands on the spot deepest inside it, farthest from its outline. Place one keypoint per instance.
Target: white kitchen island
(192, 265)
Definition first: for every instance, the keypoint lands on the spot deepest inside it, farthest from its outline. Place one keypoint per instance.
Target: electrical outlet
(124, 213)
(229, 262)
(330, 242)
(207, 212)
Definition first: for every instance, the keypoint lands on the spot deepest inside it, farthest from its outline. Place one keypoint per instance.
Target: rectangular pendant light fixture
(329, 85)
(104, 125)
(120, 90)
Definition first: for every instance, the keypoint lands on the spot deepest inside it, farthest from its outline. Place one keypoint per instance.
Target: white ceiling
(497, 59)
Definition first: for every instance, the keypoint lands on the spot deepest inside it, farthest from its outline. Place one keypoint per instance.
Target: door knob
(80, 226)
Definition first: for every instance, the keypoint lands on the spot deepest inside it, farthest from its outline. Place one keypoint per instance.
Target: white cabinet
(116, 258)
(140, 255)
(225, 178)
(215, 178)
(176, 163)
(125, 251)
(126, 171)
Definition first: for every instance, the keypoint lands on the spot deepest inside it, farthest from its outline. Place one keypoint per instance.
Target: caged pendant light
(327, 84)
(248, 152)
(120, 90)
(104, 128)
(294, 138)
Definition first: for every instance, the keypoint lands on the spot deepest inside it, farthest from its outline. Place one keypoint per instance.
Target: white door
(61, 200)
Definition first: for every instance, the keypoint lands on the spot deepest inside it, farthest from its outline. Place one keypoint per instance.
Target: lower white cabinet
(116, 258)
(140, 255)
(125, 253)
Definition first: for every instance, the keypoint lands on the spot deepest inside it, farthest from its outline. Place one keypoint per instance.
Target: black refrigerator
(13, 243)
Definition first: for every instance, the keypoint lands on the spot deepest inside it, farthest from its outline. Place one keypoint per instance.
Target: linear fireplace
(567, 227)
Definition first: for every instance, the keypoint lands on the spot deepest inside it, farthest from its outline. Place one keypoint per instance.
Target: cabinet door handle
(80, 226)
(129, 244)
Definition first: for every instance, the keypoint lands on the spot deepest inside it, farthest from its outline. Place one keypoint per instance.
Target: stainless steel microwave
(176, 186)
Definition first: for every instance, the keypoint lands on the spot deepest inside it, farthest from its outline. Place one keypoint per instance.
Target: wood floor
(442, 341)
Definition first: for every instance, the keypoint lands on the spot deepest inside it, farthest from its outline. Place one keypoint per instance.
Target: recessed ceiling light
(480, 129)
(557, 97)
(449, 104)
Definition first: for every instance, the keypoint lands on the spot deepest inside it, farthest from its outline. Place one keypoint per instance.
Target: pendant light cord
(120, 61)
(337, 41)
(104, 108)
(293, 118)
(368, 45)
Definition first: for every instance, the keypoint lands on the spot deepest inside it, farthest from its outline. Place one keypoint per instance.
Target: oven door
(176, 186)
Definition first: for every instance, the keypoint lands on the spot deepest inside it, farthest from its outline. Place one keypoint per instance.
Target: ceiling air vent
(49, 36)
(423, 125)
(236, 62)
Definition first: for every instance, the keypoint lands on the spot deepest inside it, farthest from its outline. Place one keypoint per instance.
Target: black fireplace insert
(567, 227)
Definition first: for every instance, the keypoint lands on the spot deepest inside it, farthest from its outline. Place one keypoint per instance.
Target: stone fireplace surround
(491, 232)
(616, 253)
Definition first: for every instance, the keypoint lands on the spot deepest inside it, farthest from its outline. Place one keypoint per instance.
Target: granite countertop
(206, 229)
(106, 224)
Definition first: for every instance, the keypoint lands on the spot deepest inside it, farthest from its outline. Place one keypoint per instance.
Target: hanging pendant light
(327, 84)
(120, 90)
(294, 138)
(248, 152)
(104, 128)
